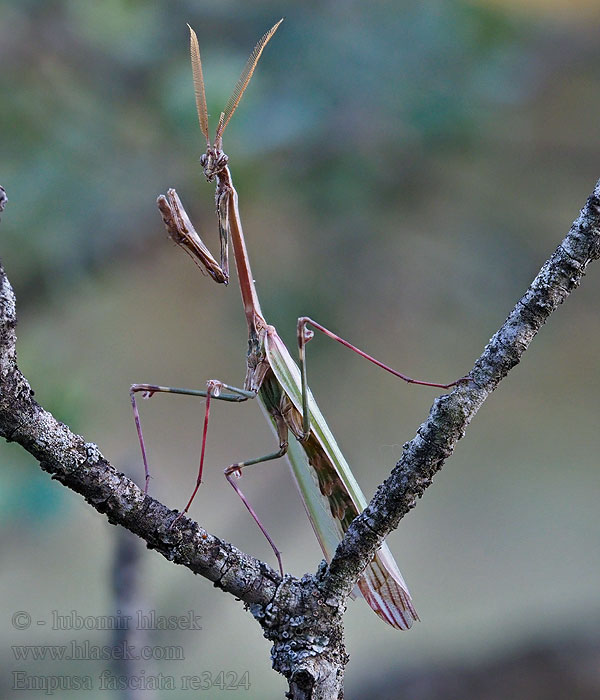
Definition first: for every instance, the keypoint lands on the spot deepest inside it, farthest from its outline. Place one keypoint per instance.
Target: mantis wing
(332, 497)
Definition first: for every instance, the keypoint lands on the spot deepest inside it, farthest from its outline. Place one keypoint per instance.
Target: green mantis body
(329, 491)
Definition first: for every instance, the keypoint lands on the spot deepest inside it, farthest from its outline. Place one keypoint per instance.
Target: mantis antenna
(238, 91)
(199, 84)
(243, 81)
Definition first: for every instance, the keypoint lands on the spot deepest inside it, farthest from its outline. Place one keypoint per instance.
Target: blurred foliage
(403, 170)
(96, 96)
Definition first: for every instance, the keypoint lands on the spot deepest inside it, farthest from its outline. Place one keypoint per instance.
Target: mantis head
(213, 162)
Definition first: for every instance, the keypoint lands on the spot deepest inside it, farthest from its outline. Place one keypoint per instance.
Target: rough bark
(301, 617)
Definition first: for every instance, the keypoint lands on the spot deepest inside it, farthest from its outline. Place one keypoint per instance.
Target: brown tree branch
(303, 618)
(80, 466)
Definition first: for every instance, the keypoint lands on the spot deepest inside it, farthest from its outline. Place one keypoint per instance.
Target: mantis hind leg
(305, 334)
(234, 471)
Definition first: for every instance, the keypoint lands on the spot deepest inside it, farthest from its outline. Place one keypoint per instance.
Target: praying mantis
(331, 496)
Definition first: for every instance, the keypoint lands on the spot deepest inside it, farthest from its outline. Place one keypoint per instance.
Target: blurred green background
(403, 171)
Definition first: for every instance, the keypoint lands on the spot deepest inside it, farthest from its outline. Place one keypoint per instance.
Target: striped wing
(332, 497)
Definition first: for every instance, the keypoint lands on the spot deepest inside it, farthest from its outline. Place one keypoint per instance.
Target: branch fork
(301, 617)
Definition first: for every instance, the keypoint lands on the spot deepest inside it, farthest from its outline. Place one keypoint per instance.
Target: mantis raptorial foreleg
(182, 232)
(305, 334)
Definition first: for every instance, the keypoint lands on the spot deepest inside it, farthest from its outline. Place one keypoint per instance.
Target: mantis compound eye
(203, 159)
